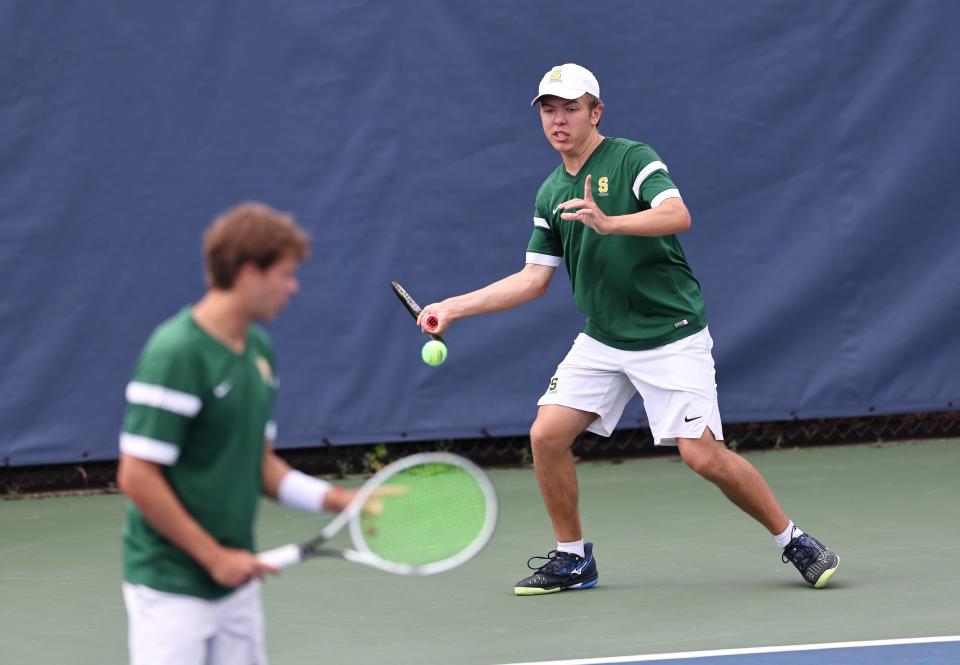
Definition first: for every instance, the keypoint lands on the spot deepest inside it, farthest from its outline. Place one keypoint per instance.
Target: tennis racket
(415, 309)
(420, 515)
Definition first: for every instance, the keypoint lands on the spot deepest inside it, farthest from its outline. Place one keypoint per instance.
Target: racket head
(438, 511)
(406, 299)
(411, 306)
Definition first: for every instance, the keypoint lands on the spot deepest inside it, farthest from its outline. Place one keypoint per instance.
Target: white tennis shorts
(173, 629)
(677, 383)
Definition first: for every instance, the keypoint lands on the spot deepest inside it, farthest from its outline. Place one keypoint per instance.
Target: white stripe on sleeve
(271, 431)
(160, 397)
(149, 449)
(644, 174)
(544, 259)
(664, 195)
(541, 222)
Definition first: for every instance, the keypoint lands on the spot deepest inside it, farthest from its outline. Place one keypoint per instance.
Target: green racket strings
(429, 513)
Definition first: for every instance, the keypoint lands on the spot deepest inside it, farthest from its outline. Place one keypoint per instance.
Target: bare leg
(551, 437)
(736, 478)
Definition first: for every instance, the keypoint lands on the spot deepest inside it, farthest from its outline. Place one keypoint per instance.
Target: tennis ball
(434, 352)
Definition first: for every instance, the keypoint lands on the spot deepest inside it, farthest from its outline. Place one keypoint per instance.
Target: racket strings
(431, 512)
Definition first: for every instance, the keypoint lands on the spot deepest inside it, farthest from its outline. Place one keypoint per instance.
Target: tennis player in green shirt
(610, 213)
(196, 453)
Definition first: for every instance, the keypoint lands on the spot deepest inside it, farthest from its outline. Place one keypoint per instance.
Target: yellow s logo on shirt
(603, 185)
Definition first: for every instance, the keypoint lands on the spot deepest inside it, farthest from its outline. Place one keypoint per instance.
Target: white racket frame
(292, 554)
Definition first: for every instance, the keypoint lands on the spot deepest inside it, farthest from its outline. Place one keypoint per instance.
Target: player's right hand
(434, 312)
(234, 567)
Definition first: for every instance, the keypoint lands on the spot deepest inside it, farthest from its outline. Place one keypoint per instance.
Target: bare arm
(668, 218)
(145, 485)
(511, 291)
(275, 468)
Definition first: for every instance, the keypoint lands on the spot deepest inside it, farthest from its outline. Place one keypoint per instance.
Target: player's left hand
(338, 498)
(586, 211)
(374, 505)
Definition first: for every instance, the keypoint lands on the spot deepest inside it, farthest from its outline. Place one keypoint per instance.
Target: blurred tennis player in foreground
(196, 453)
(610, 213)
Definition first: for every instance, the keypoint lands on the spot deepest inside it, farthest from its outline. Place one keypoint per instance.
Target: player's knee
(705, 460)
(546, 439)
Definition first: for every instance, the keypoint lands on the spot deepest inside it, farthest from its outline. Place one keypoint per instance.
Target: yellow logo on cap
(555, 74)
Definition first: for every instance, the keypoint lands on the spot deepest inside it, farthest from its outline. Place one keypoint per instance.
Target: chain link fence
(341, 461)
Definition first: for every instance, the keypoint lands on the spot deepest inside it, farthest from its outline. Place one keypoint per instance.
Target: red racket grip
(432, 323)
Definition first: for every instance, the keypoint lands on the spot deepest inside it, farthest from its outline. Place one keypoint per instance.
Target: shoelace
(557, 563)
(803, 554)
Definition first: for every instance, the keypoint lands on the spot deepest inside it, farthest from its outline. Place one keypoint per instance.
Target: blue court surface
(916, 651)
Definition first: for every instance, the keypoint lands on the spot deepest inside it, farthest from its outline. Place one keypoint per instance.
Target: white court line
(742, 652)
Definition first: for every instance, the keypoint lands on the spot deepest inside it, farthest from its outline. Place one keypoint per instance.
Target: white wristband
(302, 492)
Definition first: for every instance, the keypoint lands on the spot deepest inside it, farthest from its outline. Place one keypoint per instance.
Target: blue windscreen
(815, 144)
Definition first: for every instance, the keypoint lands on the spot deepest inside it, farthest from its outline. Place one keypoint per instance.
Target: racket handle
(281, 557)
(431, 323)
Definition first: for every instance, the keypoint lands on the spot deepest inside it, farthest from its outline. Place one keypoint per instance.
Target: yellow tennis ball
(433, 352)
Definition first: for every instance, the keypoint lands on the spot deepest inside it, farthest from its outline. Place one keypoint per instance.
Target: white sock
(791, 532)
(576, 547)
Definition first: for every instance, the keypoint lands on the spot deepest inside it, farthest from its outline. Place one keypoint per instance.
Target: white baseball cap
(568, 81)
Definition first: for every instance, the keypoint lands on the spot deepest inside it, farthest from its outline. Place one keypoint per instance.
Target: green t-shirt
(203, 411)
(637, 293)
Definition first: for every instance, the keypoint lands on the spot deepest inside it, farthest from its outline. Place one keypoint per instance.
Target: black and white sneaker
(815, 562)
(562, 571)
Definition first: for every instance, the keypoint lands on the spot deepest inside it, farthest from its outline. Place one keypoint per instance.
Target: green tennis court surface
(681, 570)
